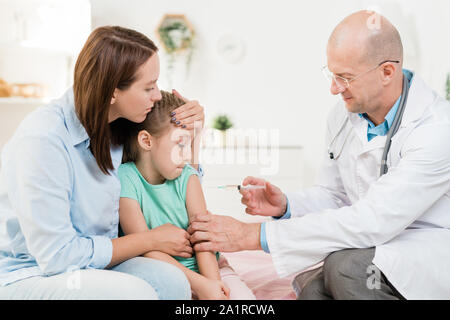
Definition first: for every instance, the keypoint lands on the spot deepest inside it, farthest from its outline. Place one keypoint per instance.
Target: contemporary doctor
(381, 205)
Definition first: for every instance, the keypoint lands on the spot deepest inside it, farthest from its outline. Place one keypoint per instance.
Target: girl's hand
(210, 289)
(172, 240)
(226, 290)
(188, 115)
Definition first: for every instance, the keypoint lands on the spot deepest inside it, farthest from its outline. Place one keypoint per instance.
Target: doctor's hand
(263, 202)
(211, 232)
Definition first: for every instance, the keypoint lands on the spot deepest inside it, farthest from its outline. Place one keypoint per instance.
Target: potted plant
(177, 36)
(222, 123)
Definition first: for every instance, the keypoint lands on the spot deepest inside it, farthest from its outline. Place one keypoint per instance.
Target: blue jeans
(136, 279)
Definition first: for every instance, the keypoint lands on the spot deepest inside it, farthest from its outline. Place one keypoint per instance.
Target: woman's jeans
(137, 278)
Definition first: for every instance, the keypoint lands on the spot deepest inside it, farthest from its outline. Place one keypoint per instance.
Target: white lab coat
(405, 214)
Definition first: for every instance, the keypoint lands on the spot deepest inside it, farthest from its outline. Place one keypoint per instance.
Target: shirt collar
(391, 114)
(76, 130)
(388, 119)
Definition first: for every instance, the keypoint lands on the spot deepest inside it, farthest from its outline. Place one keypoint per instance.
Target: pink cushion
(256, 269)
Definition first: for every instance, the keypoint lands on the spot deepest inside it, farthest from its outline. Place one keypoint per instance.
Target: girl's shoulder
(130, 182)
(127, 169)
(182, 181)
(128, 173)
(188, 170)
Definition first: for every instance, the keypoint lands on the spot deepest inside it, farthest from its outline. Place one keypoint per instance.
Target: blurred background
(255, 63)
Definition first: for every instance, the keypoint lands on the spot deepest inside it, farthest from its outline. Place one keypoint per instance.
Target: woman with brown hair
(59, 190)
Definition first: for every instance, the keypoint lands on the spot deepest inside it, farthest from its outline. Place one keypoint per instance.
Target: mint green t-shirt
(160, 204)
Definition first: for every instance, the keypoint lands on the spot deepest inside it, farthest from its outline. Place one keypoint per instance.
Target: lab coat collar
(76, 130)
(420, 98)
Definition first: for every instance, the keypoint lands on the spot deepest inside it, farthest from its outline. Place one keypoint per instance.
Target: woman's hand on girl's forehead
(189, 115)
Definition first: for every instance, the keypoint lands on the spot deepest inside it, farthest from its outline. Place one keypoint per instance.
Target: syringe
(239, 187)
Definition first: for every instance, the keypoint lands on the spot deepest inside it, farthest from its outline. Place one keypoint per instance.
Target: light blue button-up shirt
(58, 211)
(382, 129)
(372, 132)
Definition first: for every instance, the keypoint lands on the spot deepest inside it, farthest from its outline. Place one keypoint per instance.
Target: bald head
(370, 36)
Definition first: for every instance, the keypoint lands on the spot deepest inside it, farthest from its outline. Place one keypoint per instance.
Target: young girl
(157, 188)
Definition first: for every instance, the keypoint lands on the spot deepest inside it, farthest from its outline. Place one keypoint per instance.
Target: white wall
(38, 42)
(39, 39)
(279, 84)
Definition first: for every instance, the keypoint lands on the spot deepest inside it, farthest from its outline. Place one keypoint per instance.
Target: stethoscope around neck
(392, 131)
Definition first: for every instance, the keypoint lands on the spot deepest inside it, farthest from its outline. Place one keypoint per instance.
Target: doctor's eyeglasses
(344, 83)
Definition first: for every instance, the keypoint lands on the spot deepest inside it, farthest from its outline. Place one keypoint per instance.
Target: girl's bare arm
(196, 204)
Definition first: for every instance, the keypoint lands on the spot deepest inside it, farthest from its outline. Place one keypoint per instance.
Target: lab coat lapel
(420, 98)
(360, 129)
(379, 142)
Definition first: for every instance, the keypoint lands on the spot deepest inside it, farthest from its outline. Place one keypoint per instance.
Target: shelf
(23, 101)
(12, 46)
(282, 147)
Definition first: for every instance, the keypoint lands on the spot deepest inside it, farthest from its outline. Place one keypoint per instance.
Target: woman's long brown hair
(109, 59)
